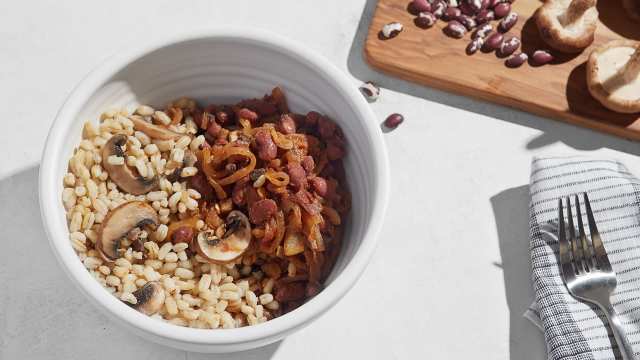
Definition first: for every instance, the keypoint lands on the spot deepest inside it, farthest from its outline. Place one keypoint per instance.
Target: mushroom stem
(631, 70)
(575, 11)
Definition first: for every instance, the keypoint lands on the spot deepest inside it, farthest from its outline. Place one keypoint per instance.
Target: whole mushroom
(613, 75)
(633, 9)
(567, 25)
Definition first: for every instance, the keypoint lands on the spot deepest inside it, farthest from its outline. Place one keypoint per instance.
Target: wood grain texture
(557, 90)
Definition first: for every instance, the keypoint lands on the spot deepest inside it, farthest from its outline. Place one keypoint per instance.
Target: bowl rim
(49, 193)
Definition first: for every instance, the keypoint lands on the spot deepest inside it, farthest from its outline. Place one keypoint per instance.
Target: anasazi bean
(508, 22)
(493, 42)
(475, 45)
(467, 21)
(425, 20)
(509, 46)
(516, 60)
(455, 30)
(451, 13)
(485, 16)
(421, 6)
(501, 10)
(482, 31)
(438, 8)
(541, 57)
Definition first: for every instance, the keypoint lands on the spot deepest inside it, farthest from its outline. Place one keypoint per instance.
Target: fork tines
(579, 255)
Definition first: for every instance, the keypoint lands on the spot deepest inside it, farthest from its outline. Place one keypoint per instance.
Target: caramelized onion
(277, 178)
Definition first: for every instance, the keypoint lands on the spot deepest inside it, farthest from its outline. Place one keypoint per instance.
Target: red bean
(214, 129)
(245, 113)
(541, 57)
(438, 8)
(509, 46)
(326, 127)
(199, 183)
(297, 175)
(501, 10)
(334, 151)
(308, 163)
(508, 22)
(455, 29)
(451, 13)
(262, 210)
(467, 21)
(516, 60)
(267, 149)
(286, 124)
(319, 185)
(393, 121)
(421, 6)
(312, 118)
(493, 42)
(290, 292)
(183, 234)
(475, 45)
(425, 20)
(482, 31)
(485, 16)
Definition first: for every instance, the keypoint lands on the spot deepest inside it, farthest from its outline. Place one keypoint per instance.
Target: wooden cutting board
(557, 90)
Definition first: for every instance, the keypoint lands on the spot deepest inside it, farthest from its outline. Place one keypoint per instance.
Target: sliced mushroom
(154, 131)
(613, 75)
(122, 174)
(231, 245)
(119, 222)
(567, 26)
(150, 298)
(633, 9)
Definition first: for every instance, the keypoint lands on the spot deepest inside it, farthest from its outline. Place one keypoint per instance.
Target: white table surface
(450, 278)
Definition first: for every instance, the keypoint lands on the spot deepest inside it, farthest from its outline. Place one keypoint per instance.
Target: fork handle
(624, 346)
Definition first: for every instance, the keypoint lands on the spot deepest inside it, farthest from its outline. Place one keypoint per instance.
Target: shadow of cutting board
(556, 90)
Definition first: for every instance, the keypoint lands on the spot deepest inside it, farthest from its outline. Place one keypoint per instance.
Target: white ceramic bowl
(223, 66)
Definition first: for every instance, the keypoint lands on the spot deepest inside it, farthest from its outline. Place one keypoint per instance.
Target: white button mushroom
(149, 298)
(613, 75)
(231, 245)
(567, 26)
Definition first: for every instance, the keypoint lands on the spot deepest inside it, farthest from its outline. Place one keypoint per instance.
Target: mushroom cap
(633, 8)
(604, 80)
(150, 298)
(121, 174)
(154, 131)
(119, 222)
(232, 245)
(572, 38)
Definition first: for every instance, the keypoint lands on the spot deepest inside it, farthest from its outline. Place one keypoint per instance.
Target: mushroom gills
(231, 245)
(121, 174)
(119, 223)
(150, 298)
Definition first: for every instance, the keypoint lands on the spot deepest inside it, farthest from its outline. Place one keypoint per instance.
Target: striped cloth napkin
(573, 329)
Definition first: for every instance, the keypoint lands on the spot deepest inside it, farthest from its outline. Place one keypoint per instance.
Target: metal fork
(586, 270)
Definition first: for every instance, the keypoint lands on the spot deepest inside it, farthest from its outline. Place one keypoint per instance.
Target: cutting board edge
(512, 103)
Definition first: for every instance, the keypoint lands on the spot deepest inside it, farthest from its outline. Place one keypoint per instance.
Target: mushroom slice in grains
(154, 131)
(150, 298)
(231, 245)
(119, 223)
(121, 174)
